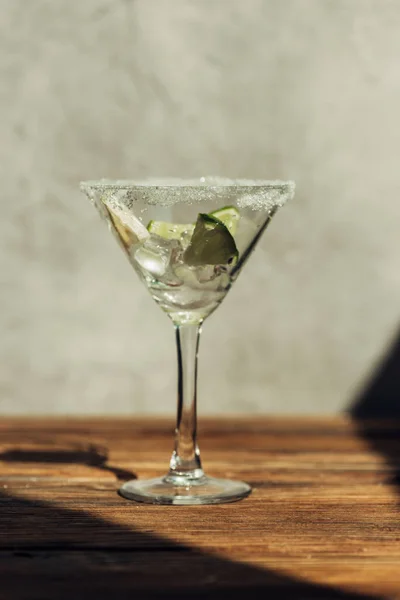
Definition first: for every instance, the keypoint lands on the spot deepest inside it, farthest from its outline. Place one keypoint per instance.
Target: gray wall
(302, 89)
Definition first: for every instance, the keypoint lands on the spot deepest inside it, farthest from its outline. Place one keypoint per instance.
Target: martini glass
(187, 240)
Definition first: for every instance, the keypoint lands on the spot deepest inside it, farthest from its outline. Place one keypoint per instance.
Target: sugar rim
(257, 194)
(170, 182)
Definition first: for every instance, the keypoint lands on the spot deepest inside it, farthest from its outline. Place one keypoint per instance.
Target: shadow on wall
(381, 397)
(378, 402)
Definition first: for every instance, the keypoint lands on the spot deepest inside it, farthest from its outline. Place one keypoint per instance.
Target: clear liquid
(188, 294)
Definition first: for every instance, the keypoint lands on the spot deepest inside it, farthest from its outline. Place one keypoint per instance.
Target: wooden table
(322, 521)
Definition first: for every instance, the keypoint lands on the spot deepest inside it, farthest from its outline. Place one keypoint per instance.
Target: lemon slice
(211, 243)
(130, 230)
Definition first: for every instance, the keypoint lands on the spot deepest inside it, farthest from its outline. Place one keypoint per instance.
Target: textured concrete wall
(302, 89)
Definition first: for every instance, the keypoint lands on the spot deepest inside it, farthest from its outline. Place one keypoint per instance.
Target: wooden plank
(323, 518)
(187, 573)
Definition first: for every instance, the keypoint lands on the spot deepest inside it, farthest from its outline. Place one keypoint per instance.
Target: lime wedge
(169, 231)
(229, 215)
(211, 243)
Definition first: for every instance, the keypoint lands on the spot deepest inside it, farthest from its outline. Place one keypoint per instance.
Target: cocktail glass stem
(185, 464)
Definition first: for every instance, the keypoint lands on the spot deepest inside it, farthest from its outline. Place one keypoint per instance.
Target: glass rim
(181, 183)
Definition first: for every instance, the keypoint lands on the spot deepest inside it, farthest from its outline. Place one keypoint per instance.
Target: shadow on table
(91, 456)
(377, 410)
(49, 552)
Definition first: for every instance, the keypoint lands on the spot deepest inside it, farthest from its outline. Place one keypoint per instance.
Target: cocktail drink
(187, 240)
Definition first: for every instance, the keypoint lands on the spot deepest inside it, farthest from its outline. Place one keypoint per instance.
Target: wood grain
(322, 521)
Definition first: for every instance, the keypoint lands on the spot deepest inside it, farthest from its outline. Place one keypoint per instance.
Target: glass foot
(177, 490)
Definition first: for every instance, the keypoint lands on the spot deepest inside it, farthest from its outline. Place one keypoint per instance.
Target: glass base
(180, 490)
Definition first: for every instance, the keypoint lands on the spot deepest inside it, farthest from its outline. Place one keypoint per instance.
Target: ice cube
(186, 274)
(154, 256)
(151, 261)
(207, 273)
(206, 277)
(186, 237)
(211, 277)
